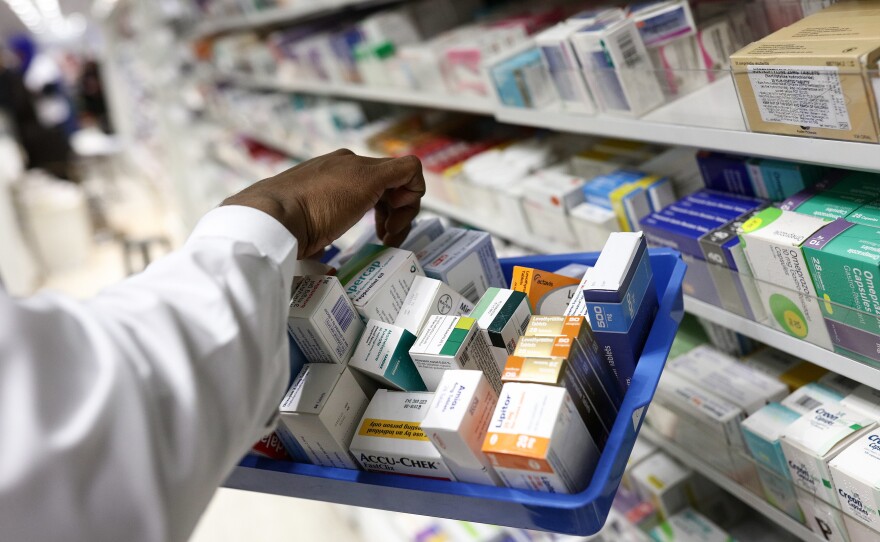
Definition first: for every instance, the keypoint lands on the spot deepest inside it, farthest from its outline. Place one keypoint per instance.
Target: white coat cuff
(250, 225)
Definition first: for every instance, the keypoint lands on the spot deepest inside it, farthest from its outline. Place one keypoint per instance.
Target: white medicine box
(426, 298)
(377, 279)
(322, 320)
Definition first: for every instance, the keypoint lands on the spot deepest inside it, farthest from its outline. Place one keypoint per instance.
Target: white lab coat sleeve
(120, 416)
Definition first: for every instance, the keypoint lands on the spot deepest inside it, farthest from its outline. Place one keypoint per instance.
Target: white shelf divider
(824, 358)
(750, 499)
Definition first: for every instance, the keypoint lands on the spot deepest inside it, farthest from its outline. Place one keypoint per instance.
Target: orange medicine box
(548, 293)
(537, 441)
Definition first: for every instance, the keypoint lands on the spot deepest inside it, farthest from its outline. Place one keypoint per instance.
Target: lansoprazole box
(383, 354)
(537, 441)
(856, 474)
(810, 397)
(761, 432)
(457, 422)
(322, 320)
(502, 316)
(825, 520)
(389, 439)
(428, 297)
(815, 439)
(465, 260)
(773, 240)
(321, 411)
(377, 280)
(548, 293)
(453, 342)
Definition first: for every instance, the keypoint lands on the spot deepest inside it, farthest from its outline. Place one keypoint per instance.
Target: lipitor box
(811, 442)
(822, 518)
(502, 316)
(663, 482)
(537, 441)
(465, 260)
(761, 432)
(856, 474)
(864, 399)
(389, 437)
(428, 297)
(808, 398)
(548, 293)
(377, 280)
(383, 354)
(322, 320)
(453, 342)
(727, 378)
(457, 422)
(321, 411)
(773, 240)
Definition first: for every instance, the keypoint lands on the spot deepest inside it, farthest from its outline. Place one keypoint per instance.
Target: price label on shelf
(801, 96)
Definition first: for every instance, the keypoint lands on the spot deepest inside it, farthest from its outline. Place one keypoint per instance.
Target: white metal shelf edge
(824, 358)
(753, 501)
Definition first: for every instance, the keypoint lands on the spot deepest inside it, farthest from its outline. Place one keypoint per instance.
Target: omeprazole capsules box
(377, 279)
(383, 354)
(773, 240)
(761, 432)
(453, 342)
(548, 292)
(321, 411)
(622, 301)
(811, 442)
(537, 441)
(465, 260)
(428, 297)
(457, 422)
(856, 474)
(322, 320)
(502, 316)
(389, 437)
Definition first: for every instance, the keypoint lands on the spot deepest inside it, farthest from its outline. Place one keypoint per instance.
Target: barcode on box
(342, 313)
(628, 50)
(808, 402)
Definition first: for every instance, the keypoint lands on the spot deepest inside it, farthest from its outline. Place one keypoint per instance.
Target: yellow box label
(396, 429)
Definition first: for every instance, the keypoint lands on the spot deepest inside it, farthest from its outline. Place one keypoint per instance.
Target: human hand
(320, 199)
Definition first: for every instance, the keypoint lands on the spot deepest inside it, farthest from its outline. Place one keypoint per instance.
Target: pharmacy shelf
(824, 358)
(750, 499)
(463, 104)
(299, 11)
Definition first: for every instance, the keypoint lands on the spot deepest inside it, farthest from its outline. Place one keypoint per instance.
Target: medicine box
(811, 442)
(591, 225)
(732, 205)
(682, 232)
(564, 68)
(729, 379)
(822, 518)
(662, 22)
(773, 240)
(593, 163)
(548, 197)
(421, 235)
(377, 280)
(689, 526)
(389, 437)
(548, 293)
(428, 297)
(457, 422)
(502, 316)
(780, 179)
(856, 474)
(537, 441)
(780, 492)
(321, 411)
(761, 432)
(598, 190)
(322, 320)
(865, 400)
(621, 300)
(453, 342)
(642, 449)
(383, 354)
(784, 367)
(663, 482)
(465, 260)
(839, 383)
(858, 531)
(521, 78)
(632, 202)
(810, 397)
(726, 172)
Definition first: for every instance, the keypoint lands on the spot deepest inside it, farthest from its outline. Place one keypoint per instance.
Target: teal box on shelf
(580, 514)
(761, 432)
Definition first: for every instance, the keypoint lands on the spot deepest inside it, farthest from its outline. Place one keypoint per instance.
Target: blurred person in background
(91, 95)
(121, 415)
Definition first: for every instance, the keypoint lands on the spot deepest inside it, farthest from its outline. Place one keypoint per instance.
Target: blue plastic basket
(580, 514)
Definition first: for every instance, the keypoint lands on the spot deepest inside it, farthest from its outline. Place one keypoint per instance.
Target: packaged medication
(389, 437)
(383, 354)
(731, 205)
(428, 297)
(548, 197)
(858, 531)
(761, 432)
(773, 240)
(679, 231)
(564, 68)
(726, 172)
(621, 301)
(791, 371)
(642, 450)
(465, 260)
(780, 179)
(453, 342)
(537, 441)
(838, 383)
(810, 397)
(856, 474)
(521, 79)
(421, 235)
(865, 400)
(322, 320)
(812, 441)
(689, 526)
(591, 225)
(632, 202)
(663, 482)
(825, 520)
(593, 163)
(457, 422)
(502, 316)
(780, 493)
(662, 22)
(548, 293)
(598, 190)
(321, 412)
(573, 270)
(377, 280)
(729, 379)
